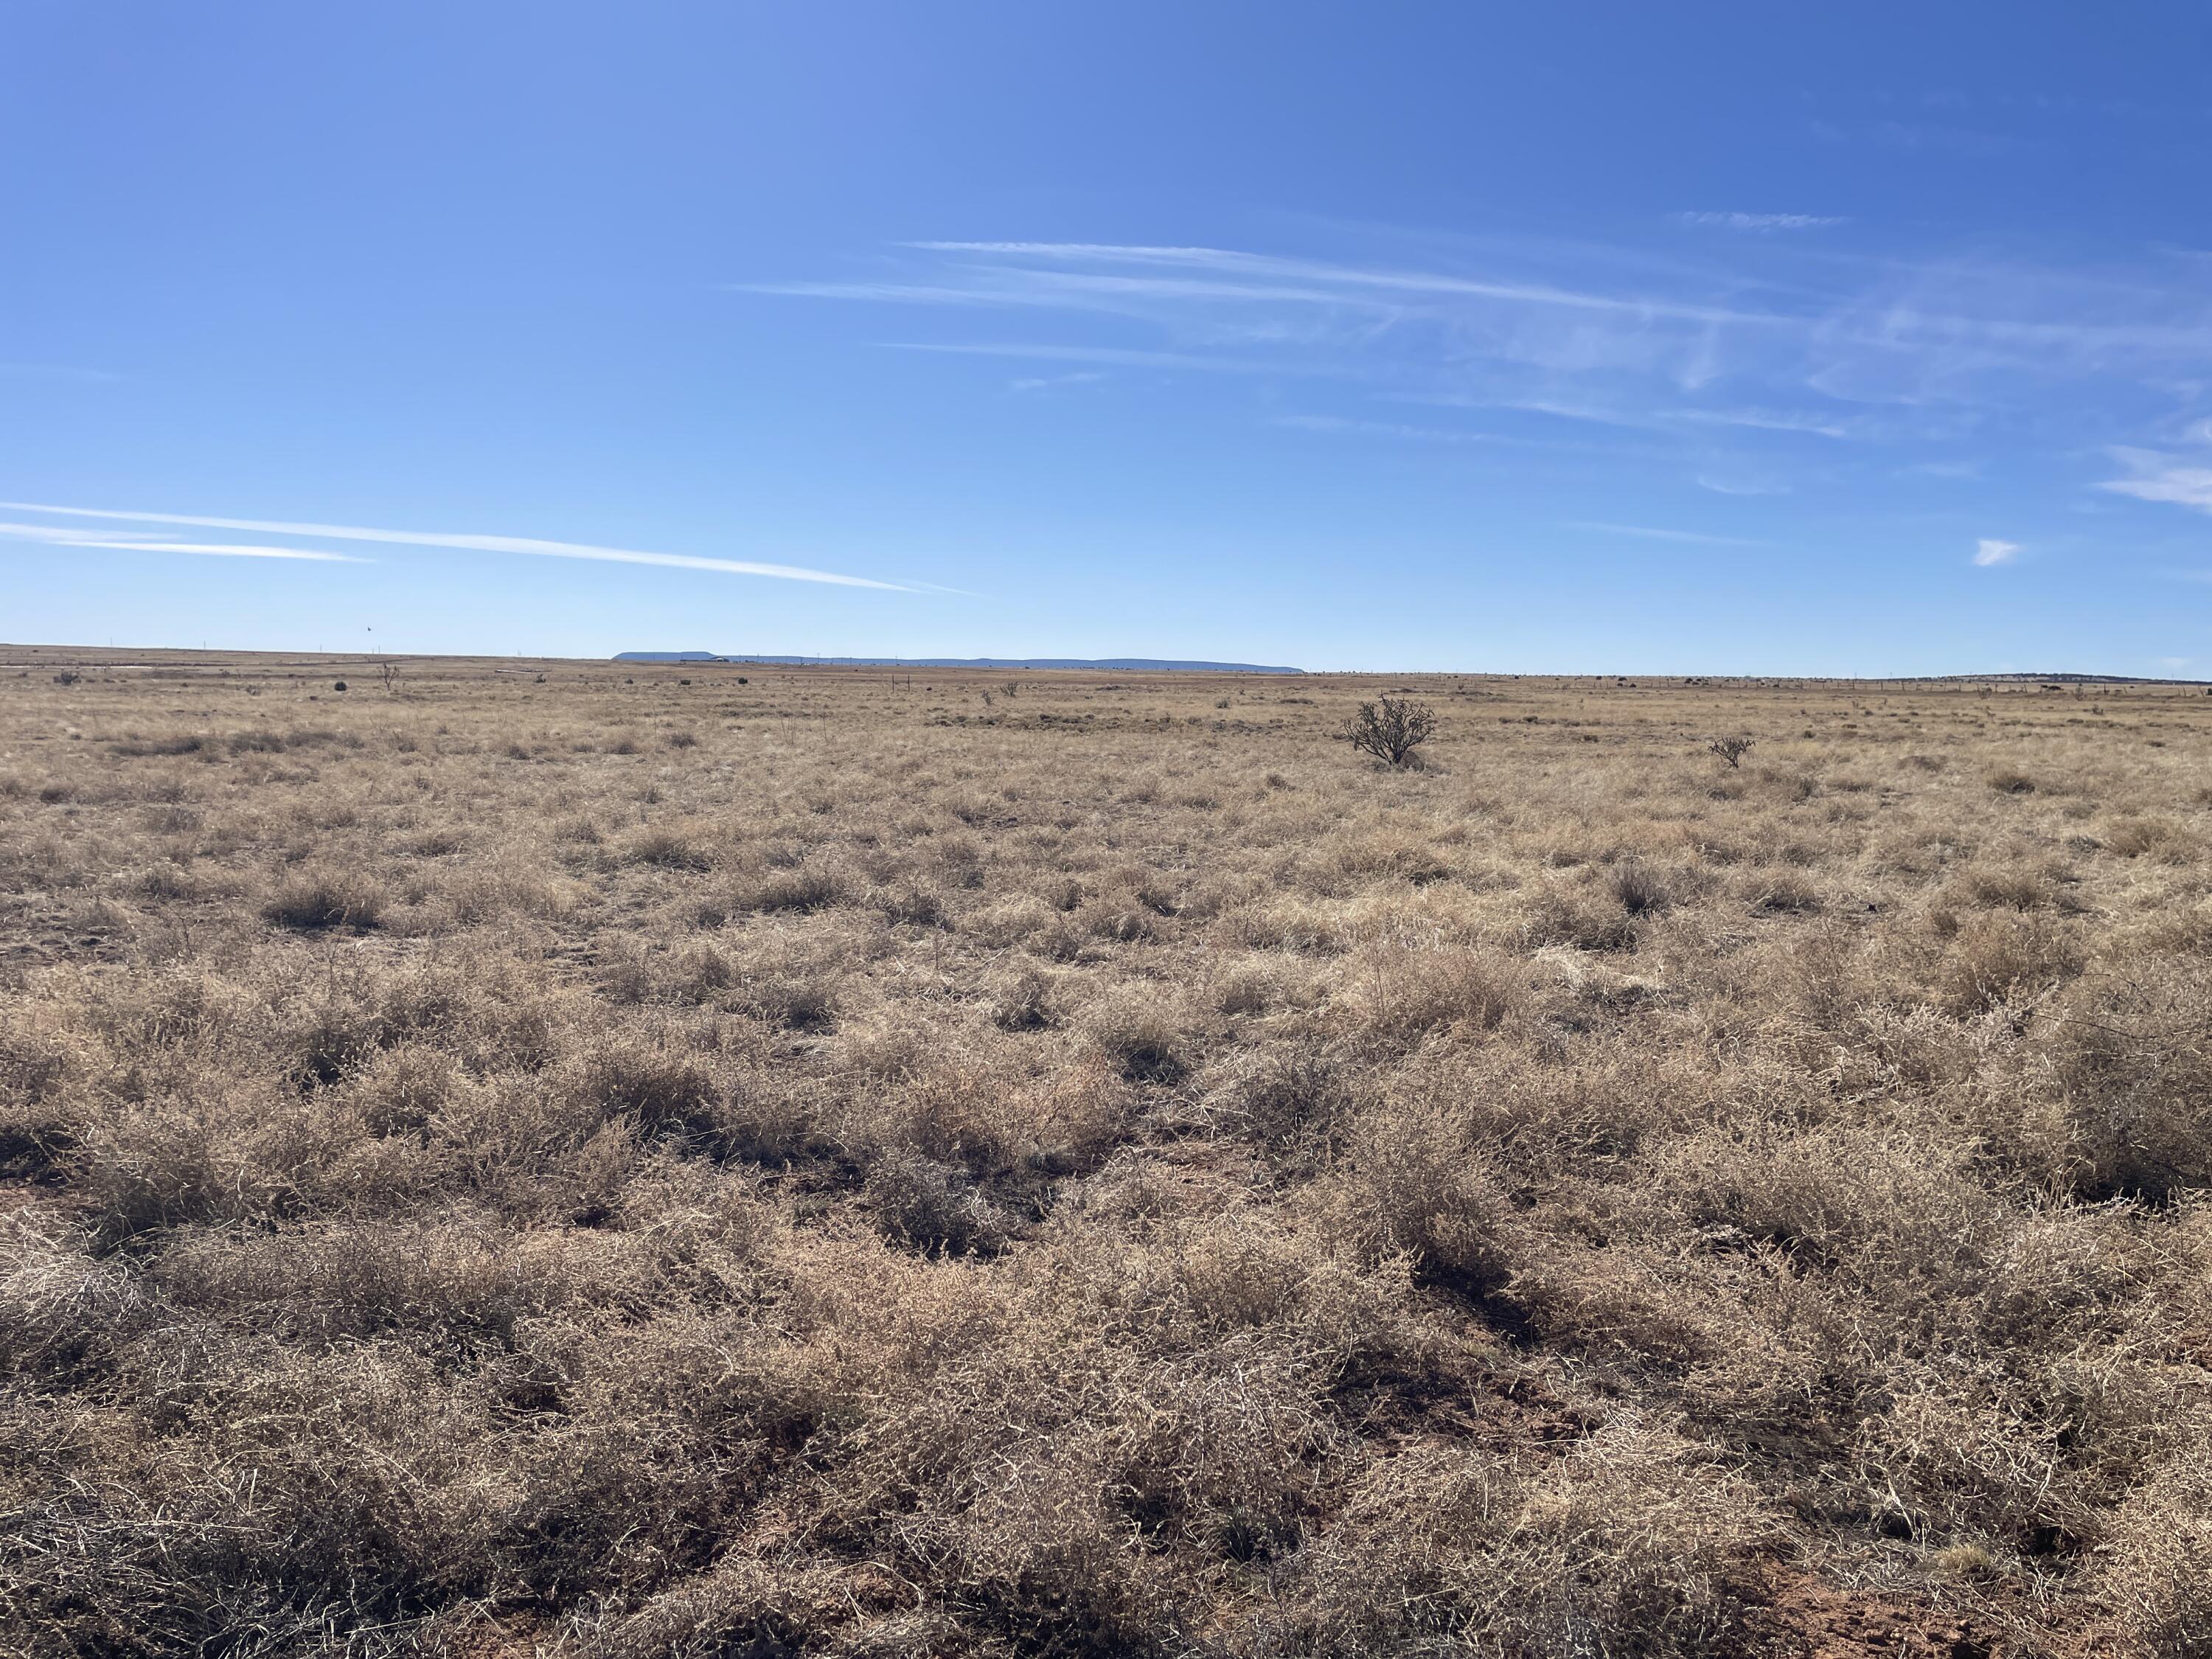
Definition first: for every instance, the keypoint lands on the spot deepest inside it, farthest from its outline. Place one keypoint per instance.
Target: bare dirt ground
(584, 1158)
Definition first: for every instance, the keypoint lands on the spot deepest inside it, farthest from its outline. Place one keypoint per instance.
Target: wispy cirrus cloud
(532, 545)
(1735, 357)
(1550, 322)
(1338, 423)
(1658, 533)
(1329, 281)
(1408, 432)
(1660, 419)
(1116, 357)
(1760, 221)
(1767, 420)
(1989, 550)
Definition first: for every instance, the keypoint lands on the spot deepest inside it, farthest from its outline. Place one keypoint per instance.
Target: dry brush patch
(625, 1162)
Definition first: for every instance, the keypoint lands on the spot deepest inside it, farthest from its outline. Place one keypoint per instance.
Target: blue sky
(1873, 340)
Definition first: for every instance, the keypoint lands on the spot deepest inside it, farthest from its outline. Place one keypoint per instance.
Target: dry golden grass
(591, 1160)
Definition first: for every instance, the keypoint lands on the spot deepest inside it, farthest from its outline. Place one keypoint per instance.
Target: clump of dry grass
(315, 900)
(611, 1165)
(2161, 1538)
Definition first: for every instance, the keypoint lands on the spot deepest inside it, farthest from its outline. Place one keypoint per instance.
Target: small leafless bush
(1390, 729)
(1731, 749)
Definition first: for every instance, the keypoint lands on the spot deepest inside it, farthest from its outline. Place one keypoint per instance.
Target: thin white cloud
(1760, 221)
(2159, 476)
(1401, 432)
(1654, 534)
(60, 535)
(1596, 414)
(1989, 550)
(221, 550)
(1385, 429)
(1741, 486)
(1417, 283)
(936, 294)
(60, 372)
(1049, 382)
(1115, 355)
(1766, 420)
(526, 544)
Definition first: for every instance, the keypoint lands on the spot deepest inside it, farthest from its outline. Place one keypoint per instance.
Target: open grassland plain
(623, 1161)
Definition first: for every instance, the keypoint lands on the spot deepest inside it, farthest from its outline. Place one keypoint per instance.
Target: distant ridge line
(1121, 664)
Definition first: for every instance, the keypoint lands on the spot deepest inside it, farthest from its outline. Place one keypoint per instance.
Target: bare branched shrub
(1390, 729)
(1731, 749)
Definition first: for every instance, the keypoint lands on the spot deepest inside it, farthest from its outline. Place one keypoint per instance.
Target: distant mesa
(1122, 664)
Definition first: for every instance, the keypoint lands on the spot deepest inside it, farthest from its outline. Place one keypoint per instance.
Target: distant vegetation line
(1117, 663)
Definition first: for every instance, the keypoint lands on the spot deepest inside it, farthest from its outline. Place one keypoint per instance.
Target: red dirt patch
(1807, 1617)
